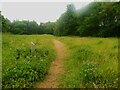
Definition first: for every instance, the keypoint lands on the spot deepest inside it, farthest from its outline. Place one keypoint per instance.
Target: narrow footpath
(51, 80)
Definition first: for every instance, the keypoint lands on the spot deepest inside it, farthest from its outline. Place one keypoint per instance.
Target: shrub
(88, 72)
(29, 67)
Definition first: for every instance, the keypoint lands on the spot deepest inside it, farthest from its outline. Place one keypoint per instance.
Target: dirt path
(51, 80)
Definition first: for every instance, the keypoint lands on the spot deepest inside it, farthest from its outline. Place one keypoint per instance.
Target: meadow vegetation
(0, 58)
(92, 63)
(22, 64)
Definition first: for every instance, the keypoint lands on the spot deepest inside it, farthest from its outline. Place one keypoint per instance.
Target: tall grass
(92, 63)
(22, 66)
(0, 60)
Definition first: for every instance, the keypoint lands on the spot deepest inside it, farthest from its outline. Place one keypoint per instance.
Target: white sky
(46, 0)
(0, 6)
(38, 11)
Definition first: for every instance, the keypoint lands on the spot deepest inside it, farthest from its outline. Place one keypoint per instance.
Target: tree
(66, 24)
(47, 28)
(6, 24)
(24, 27)
(109, 17)
(0, 22)
(101, 19)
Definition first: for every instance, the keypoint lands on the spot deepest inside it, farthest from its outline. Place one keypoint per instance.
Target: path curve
(51, 80)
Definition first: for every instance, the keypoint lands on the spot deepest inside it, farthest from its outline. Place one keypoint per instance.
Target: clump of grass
(100, 42)
(83, 53)
(87, 72)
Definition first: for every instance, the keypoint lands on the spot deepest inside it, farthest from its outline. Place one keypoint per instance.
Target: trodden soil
(56, 68)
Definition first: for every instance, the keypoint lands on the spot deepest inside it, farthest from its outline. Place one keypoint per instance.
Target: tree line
(97, 19)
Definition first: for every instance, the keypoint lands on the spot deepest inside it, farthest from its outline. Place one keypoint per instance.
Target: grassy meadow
(92, 63)
(24, 64)
(0, 59)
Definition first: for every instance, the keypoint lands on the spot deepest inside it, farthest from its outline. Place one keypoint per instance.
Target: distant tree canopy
(0, 22)
(98, 19)
(101, 19)
(47, 28)
(24, 27)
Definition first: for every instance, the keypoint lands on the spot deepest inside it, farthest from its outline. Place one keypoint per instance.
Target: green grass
(24, 64)
(92, 63)
(0, 58)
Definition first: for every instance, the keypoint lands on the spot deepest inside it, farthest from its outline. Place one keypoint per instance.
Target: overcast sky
(0, 6)
(38, 11)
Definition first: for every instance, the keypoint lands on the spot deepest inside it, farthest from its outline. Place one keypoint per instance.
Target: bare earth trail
(51, 80)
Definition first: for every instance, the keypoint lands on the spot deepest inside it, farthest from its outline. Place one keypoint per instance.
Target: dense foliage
(24, 64)
(5, 24)
(96, 19)
(46, 28)
(24, 27)
(100, 19)
(0, 22)
(66, 24)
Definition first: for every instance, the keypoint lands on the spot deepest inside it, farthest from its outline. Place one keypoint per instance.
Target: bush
(29, 67)
(88, 72)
